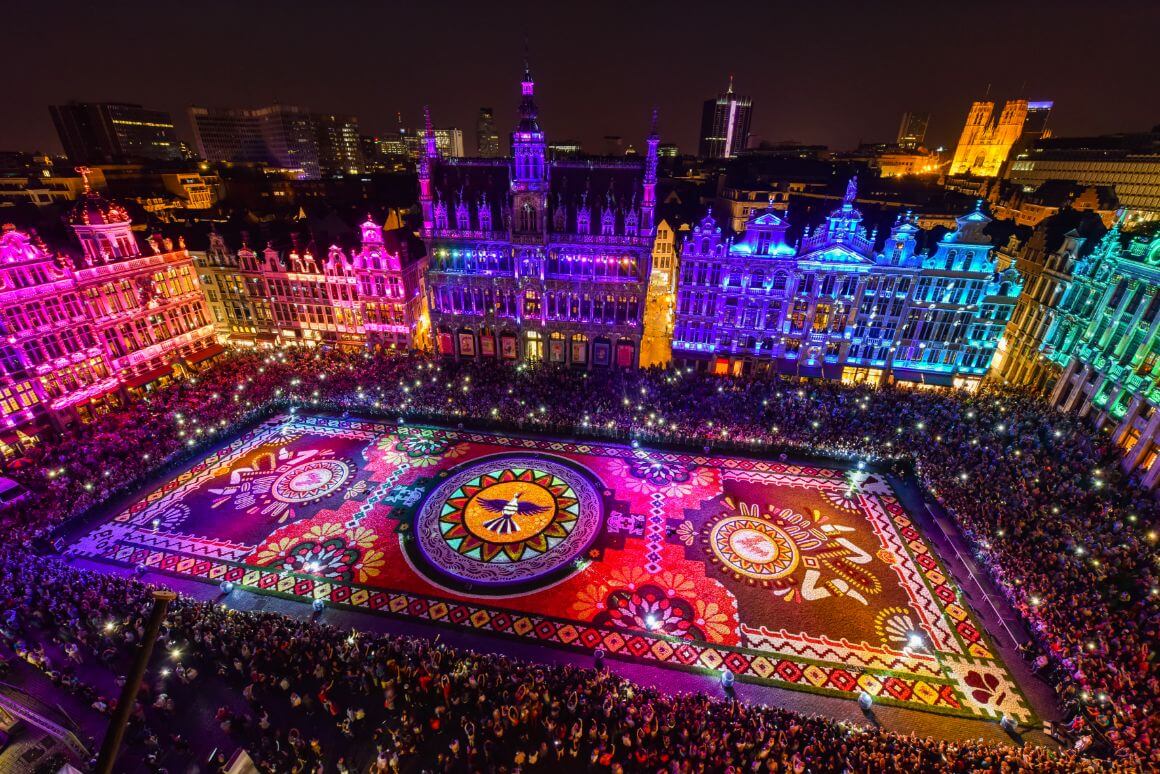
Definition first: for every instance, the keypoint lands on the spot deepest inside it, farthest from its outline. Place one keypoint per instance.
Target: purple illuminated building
(834, 306)
(532, 258)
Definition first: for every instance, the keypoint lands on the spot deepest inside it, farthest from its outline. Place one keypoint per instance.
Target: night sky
(820, 72)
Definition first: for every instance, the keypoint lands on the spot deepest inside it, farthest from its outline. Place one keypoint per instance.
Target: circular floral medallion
(310, 481)
(754, 548)
(508, 519)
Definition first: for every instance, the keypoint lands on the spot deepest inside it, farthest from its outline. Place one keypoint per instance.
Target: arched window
(528, 217)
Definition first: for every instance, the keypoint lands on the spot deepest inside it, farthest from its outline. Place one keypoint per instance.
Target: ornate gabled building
(1045, 263)
(1106, 339)
(390, 271)
(147, 308)
(835, 307)
(535, 258)
(80, 334)
(373, 295)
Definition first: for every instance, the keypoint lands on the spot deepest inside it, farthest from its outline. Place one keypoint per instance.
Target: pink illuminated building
(80, 334)
(371, 296)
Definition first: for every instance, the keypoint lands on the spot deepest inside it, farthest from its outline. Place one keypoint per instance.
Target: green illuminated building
(1104, 337)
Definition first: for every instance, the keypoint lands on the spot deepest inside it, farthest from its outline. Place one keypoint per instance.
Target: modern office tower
(725, 125)
(115, 132)
(986, 144)
(281, 135)
(535, 258)
(339, 150)
(486, 138)
(228, 135)
(449, 142)
(912, 130)
(834, 306)
(565, 149)
(1105, 336)
(291, 139)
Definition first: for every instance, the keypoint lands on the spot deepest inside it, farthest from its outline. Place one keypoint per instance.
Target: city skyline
(866, 76)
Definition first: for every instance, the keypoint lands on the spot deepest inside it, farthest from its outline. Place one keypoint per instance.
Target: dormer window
(630, 225)
(441, 215)
(484, 214)
(462, 217)
(608, 223)
(583, 221)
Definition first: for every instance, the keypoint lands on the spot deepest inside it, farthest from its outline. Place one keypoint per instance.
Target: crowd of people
(1037, 493)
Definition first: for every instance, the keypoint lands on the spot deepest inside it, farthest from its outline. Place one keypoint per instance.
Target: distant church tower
(985, 144)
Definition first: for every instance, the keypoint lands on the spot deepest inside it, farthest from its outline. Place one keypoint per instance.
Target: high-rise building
(538, 259)
(228, 135)
(912, 130)
(486, 138)
(291, 139)
(985, 144)
(339, 150)
(308, 144)
(115, 132)
(725, 125)
(449, 141)
(835, 307)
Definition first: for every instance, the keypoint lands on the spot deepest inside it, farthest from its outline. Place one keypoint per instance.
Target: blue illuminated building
(534, 258)
(833, 306)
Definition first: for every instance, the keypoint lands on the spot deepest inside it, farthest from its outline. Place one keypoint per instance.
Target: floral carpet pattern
(812, 578)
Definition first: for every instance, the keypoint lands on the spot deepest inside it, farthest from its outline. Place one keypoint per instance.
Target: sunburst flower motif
(895, 626)
(712, 620)
(686, 532)
(590, 600)
(165, 519)
(627, 577)
(676, 584)
(273, 549)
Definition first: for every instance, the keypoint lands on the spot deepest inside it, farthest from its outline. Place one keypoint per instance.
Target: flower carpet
(811, 578)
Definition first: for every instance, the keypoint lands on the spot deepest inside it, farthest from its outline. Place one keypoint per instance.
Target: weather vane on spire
(84, 171)
(851, 190)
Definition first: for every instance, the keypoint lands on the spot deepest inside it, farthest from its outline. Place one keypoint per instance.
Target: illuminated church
(537, 258)
(833, 306)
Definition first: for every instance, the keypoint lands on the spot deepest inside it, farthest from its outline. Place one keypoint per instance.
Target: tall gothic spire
(528, 111)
